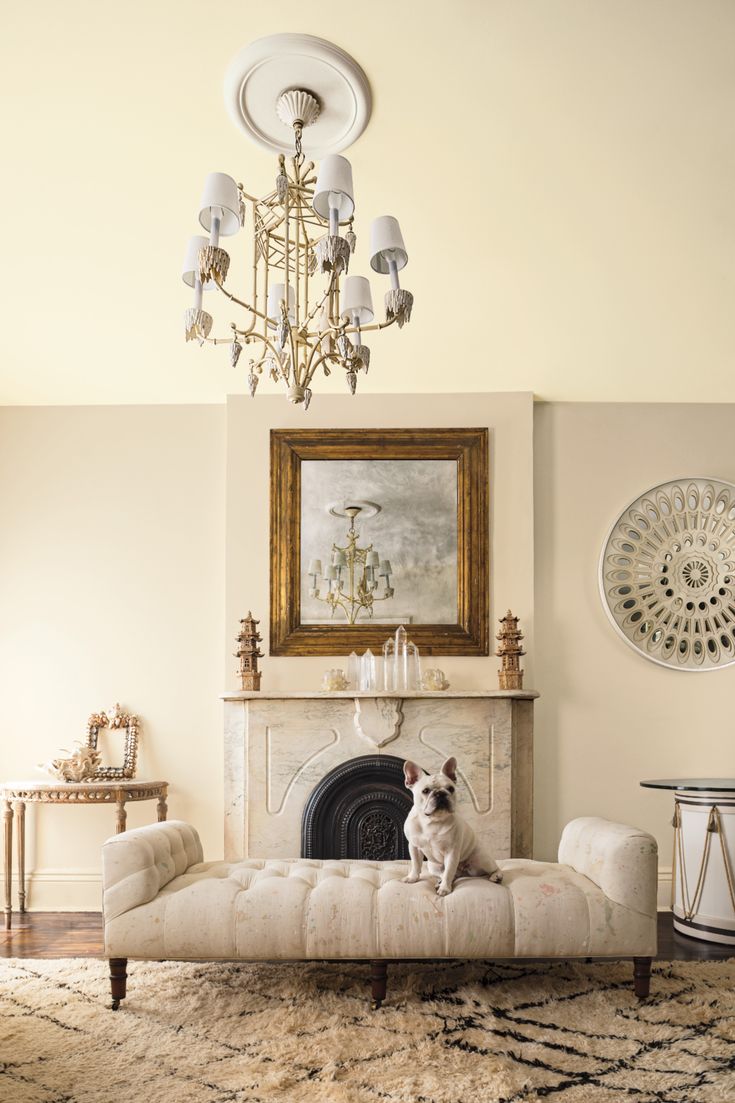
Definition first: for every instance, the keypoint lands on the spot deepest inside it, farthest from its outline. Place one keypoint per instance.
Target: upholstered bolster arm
(622, 860)
(137, 864)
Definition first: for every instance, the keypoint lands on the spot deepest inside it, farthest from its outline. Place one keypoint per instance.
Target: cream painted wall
(111, 588)
(607, 717)
(134, 537)
(563, 171)
(510, 419)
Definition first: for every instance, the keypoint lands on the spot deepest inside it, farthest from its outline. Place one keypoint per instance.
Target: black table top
(721, 784)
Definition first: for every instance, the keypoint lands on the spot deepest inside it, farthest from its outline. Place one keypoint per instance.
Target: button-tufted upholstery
(162, 901)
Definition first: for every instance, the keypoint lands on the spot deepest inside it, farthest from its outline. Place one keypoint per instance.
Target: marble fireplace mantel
(279, 745)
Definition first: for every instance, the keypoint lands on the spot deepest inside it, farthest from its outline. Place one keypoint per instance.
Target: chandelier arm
(334, 600)
(302, 231)
(253, 323)
(245, 306)
(296, 238)
(246, 195)
(215, 340)
(373, 328)
(310, 371)
(313, 313)
(287, 260)
(266, 341)
(320, 336)
(294, 359)
(349, 604)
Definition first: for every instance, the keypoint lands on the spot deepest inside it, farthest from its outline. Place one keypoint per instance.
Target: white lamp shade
(385, 567)
(334, 188)
(386, 244)
(339, 559)
(315, 566)
(190, 271)
(372, 560)
(220, 199)
(357, 299)
(276, 295)
(330, 574)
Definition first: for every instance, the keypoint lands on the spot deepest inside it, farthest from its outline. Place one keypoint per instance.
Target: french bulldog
(433, 828)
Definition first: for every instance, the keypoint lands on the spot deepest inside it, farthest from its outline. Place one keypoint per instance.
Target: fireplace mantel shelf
(347, 695)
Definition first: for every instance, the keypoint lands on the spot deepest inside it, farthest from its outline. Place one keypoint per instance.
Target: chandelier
(354, 574)
(304, 312)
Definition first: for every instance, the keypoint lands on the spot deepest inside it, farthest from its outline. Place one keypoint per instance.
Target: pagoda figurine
(510, 675)
(248, 653)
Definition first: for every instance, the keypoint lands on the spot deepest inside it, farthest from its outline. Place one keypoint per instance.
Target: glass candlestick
(401, 663)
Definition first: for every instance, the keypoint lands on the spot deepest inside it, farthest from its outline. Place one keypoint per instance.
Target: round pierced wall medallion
(667, 574)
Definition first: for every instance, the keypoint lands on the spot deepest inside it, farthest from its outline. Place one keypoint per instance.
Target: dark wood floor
(79, 934)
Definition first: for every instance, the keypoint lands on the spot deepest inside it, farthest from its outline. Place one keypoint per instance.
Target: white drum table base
(703, 889)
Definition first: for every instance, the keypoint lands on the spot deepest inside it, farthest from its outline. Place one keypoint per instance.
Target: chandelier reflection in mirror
(305, 311)
(355, 578)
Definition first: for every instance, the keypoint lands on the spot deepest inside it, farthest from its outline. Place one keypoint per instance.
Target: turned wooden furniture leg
(162, 808)
(8, 816)
(118, 977)
(21, 814)
(642, 976)
(121, 816)
(378, 982)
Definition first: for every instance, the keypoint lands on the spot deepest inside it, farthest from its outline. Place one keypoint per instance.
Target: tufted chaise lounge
(163, 902)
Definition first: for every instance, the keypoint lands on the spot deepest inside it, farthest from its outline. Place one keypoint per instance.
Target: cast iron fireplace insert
(357, 811)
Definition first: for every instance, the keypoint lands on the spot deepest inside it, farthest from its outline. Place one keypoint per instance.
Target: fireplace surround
(320, 774)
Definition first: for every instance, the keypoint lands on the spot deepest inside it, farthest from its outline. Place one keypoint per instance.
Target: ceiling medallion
(667, 574)
(304, 312)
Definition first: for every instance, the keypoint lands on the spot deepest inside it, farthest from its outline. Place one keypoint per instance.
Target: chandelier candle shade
(304, 311)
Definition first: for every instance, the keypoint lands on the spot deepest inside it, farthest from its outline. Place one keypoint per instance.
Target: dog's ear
(450, 769)
(411, 773)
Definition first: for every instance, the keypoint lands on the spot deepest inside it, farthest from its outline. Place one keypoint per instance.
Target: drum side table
(16, 794)
(703, 866)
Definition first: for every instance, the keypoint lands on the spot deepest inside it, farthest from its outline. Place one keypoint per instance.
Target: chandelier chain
(298, 131)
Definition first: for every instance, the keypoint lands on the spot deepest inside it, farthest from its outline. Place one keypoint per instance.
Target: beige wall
(608, 717)
(116, 584)
(111, 588)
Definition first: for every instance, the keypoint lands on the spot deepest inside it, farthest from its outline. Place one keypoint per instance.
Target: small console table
(16, 794)
(703, 873)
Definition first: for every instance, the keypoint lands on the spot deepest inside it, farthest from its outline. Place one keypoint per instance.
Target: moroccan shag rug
(454, 1033)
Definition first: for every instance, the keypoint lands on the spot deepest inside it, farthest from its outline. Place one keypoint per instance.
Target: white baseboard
(664, 889)
(61, 890)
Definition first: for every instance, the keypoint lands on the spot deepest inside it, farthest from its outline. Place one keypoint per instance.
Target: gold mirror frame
(468, 448)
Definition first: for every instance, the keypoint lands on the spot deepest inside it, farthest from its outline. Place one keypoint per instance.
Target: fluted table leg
(8, 816)
(21, 814)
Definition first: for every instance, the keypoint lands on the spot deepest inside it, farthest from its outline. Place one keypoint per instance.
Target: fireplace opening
(357, 811)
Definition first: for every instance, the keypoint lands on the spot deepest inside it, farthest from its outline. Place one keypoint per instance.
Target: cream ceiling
(564, 173)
